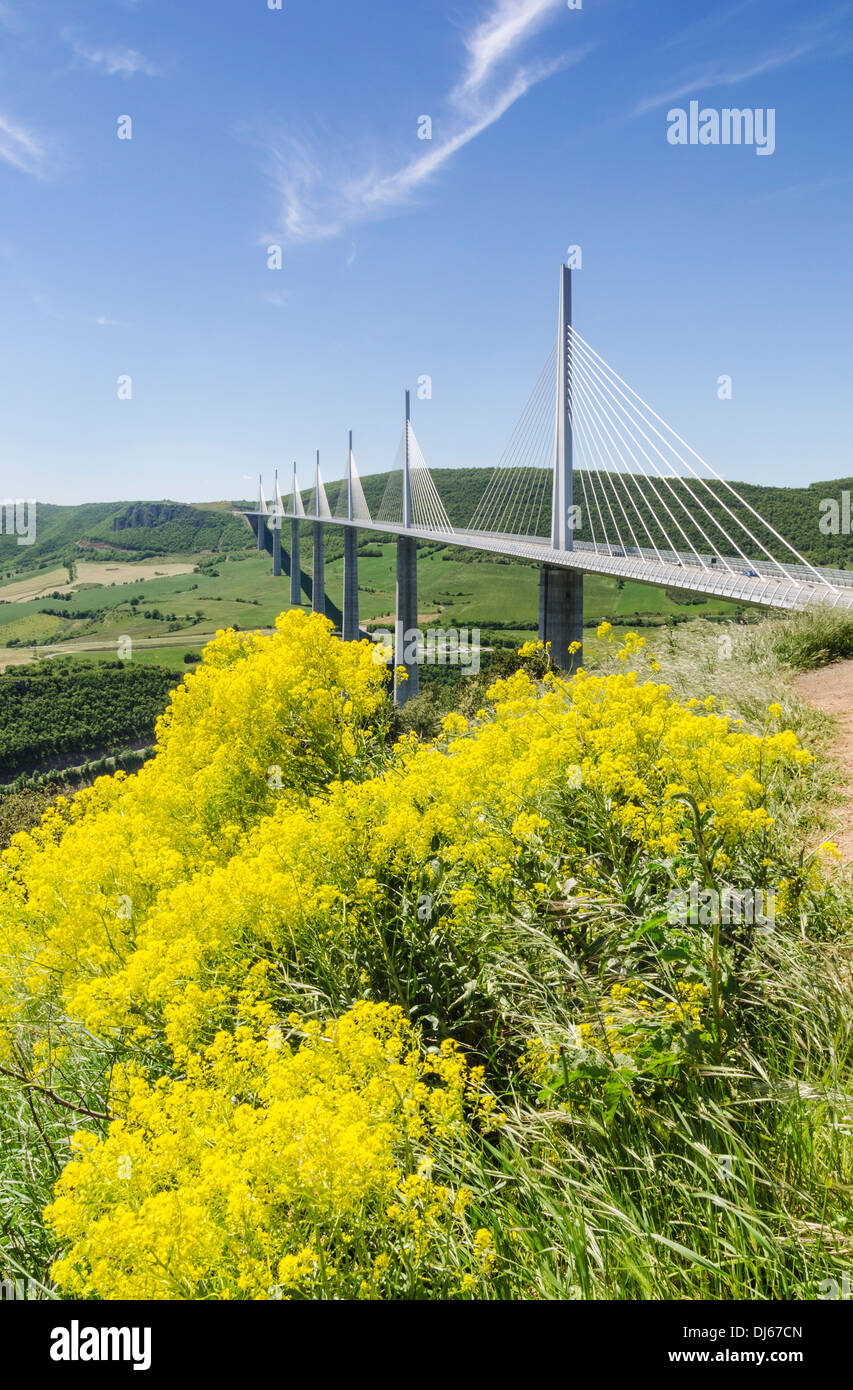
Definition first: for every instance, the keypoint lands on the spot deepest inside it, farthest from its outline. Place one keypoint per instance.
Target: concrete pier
(318, 585)
(276, 546)
(349, 630)
(561, 614)
(295, 563)
(405, 629)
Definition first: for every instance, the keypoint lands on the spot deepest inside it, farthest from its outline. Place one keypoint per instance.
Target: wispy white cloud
(114, 60)
(321, 197)
(722, 75)
(22, 148)
(499, 34)
(389, 190)
(318, 204)
(827, 34)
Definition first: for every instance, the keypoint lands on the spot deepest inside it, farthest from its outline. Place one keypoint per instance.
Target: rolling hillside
(142, 529)
(123, 529)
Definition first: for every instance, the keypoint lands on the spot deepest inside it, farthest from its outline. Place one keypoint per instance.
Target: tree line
(53, 710)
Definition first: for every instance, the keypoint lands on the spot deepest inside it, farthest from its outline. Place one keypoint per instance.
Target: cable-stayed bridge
(588, 457)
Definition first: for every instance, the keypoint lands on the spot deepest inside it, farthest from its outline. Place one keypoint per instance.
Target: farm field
(89, 572)
(162, 612)
(147, 651)
(197, 597)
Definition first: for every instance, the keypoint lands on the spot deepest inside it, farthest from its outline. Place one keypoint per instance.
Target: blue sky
(404, 257)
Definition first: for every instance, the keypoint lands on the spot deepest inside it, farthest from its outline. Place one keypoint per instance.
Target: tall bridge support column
(349, 626)
(276, 546)
(261, 532)
(349, 620)
(318, 586)
(561, 590)
(561, 614)
(295, 563)
(406, 625)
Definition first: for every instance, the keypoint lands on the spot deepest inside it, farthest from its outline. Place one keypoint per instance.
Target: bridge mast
(560, 590)
(295, 546)
(405, 627)
(318, 580)
(349, 624)
(262, 507)
(276, 530)
(561, 527)
(407, 478)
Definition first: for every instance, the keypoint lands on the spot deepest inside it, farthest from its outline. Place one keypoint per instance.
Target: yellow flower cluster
(630, 1015)
(630, 1010)
(270, 1169)
(263, 724)
(165, 913)
(141, 915)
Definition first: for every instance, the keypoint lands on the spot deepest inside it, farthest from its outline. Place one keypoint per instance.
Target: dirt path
(831, 690)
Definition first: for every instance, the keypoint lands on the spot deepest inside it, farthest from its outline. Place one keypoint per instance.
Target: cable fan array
(427, 508)
(517, 500)
(639, 488)
(360, 509)
(696, 516)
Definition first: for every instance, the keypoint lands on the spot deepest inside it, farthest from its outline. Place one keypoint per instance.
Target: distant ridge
(148, 528)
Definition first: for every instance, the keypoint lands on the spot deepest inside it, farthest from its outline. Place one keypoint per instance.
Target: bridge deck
(735, 583)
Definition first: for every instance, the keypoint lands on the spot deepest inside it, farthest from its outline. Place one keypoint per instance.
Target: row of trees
(59, 708)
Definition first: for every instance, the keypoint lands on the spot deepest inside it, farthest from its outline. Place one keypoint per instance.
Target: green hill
(794, 512)
(124, 529)
(58, 531)
(143, 529)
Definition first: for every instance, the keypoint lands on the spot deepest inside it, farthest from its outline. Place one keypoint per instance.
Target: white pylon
(298, 508)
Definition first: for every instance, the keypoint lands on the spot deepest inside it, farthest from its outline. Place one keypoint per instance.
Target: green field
(232, 584)
(169, 618)
(242, 592)
(127, 531)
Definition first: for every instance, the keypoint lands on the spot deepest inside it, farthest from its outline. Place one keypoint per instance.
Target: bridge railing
(784, 591)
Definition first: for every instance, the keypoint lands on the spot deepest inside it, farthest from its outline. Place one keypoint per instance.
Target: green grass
(824, 638)
(732, 1182)
(170, 657)
(29, 625)
(244, 593)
